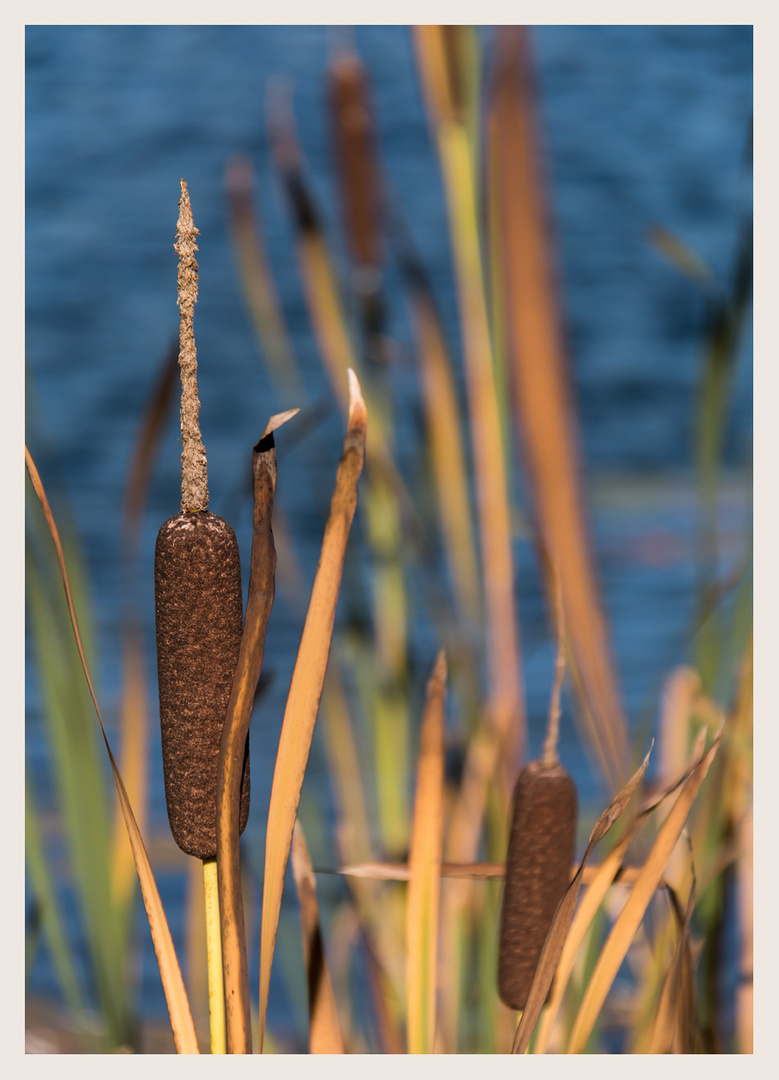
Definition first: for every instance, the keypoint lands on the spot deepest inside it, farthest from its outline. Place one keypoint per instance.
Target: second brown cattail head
(356, 158)
(538, 871)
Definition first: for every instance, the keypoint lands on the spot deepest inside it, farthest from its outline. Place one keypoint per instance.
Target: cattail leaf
(555, 939)
(624, 929)
(134, 722)
(172, 982)
(543, 405)
(236, 728)
(425, 869)
(506, 693)
(674, 1027)
(151, 431)
(45, 897)
(324, 1036)
(134, 739)
(80, 788)
(257, 280)
(306, 686)
(447, 451)
(680, 255)
(745, 895)
(582, 920)
(352, 832)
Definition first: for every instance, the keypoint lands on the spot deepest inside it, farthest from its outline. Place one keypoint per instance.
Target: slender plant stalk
(543, 408)
(425, 869)
(216, 996)
(258, 284)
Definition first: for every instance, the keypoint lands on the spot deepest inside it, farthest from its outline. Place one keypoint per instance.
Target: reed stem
(216, 996)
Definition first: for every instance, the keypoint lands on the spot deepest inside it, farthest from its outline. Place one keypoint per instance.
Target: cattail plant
(199, 613)
(540, 854)
(358, 174)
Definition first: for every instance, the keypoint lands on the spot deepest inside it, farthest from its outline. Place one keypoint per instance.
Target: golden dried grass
(425, 869)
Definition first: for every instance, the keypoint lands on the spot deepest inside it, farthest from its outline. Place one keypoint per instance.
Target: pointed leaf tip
(357, 409)
(441, 671)
(277, 420)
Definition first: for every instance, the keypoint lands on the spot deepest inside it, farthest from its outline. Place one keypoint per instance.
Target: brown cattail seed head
(199, 606)
(354, 145)
(538, 871)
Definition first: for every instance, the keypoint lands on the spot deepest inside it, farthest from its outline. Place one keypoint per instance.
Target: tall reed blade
(234, 733)
(447, 445)
(134, 709)
(543, 405)
(324, 1036)
(44, 896)
(79, 779)
(506, 704)
(674, 1028)
(172, 982)
(425, 869)
(258, 284)
(305, 689)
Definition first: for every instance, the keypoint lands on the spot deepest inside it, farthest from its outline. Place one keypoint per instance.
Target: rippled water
(642, 125)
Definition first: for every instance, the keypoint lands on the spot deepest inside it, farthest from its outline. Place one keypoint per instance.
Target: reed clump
(452, 908)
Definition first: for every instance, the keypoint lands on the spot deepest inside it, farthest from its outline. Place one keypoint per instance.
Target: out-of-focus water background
(642, 125)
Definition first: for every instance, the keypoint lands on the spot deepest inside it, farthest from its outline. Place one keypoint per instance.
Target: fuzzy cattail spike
(194, 470)
(199, 608)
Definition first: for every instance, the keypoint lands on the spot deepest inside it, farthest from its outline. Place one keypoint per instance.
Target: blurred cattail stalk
(543, 400)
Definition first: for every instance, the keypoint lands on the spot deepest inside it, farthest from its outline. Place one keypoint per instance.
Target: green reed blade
(80, 783)
(45, 895)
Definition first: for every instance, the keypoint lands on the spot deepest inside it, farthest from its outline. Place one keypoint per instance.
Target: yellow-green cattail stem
(216, 997)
